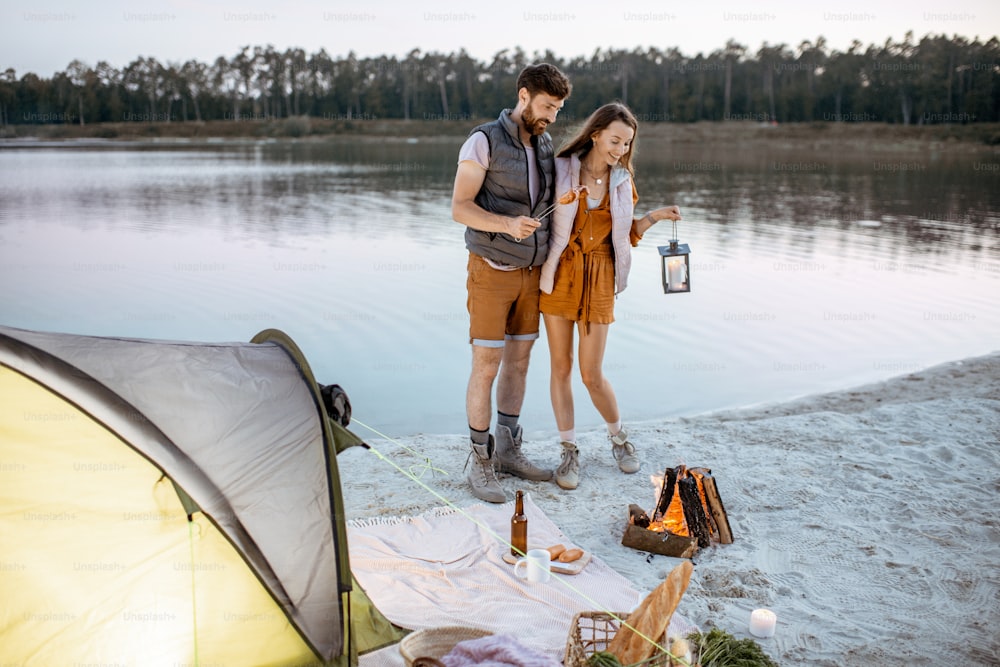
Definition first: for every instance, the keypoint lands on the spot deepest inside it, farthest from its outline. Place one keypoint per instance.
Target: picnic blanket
(445, 567)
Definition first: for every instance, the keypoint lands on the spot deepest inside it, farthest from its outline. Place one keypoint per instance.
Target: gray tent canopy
(194, 486)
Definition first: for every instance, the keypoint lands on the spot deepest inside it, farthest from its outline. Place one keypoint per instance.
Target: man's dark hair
(544, 78)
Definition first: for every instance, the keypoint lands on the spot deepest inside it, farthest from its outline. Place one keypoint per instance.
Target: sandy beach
(865, 519)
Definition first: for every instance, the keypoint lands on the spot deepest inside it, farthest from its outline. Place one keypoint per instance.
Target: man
(505, 180)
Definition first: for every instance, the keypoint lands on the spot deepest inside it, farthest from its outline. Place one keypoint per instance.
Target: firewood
(699, 475)
(717, 510)
(666, 492)
(659, 542)
(637, 516)
(694, 511)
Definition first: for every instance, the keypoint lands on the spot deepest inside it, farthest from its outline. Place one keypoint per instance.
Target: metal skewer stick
(542, 215)
(547, 211)
(580, 191)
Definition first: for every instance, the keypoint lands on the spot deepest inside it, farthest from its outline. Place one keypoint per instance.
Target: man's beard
(534, 125)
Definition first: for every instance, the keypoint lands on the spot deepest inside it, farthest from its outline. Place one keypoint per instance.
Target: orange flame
(673, 520)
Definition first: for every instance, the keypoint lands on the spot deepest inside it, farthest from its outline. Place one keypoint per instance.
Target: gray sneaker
(568, 472)
(480, 474)
(624, 452)
(511, 460)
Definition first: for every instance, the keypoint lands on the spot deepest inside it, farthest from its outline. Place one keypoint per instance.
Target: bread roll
(570, 555)
(555, 551)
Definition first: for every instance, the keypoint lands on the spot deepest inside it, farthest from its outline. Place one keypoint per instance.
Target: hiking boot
(482, 479)
(511, 460)
(568, 472)
(624, 452)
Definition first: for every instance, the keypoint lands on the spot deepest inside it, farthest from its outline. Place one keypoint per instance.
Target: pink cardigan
(622, 210)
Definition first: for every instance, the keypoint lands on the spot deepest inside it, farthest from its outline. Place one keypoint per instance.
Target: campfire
(688, 515)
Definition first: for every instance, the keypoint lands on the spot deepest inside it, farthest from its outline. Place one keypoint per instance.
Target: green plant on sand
(603, 659)
(720, 649)
(717, 648)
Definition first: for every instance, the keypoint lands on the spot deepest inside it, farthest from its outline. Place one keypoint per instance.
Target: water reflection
(926, 204)
(811, 271)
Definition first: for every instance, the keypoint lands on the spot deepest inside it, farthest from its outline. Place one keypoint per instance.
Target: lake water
(810, 271)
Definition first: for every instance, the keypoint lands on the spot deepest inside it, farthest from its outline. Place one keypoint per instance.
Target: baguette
(634, 642)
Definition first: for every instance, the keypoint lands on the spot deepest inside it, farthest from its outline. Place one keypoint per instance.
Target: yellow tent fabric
(115, 568)
(161, 504)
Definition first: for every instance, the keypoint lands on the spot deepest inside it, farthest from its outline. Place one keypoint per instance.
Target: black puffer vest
(505, 191)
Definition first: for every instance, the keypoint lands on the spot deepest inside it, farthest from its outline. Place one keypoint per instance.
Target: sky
(47, 37)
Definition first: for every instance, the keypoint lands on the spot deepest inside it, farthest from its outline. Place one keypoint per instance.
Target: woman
(587, 266)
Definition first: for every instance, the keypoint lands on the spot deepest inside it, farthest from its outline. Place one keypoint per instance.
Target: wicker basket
(436, 642)
(592, 631)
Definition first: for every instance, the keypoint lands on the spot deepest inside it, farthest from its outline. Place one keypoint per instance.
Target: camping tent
(172, 503)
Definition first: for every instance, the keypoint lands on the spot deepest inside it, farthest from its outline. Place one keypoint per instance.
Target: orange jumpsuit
(584, 287)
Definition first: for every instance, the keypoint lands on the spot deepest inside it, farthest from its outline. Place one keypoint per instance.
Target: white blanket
(446, 567)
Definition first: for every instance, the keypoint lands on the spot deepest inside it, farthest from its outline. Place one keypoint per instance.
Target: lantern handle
(673, 238)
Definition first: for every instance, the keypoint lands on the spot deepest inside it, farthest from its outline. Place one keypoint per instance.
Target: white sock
(615, 428)
(568, 436)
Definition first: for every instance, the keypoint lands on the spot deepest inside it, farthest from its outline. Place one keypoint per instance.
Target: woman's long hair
(583, 140)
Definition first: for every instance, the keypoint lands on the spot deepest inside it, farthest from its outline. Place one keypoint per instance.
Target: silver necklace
(599, 181)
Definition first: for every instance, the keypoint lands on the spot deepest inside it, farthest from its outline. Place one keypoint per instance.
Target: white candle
(762, 622)
(675, 272)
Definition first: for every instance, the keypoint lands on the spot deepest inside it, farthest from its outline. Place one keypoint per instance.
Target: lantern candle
(675, 271)
(762, 622)
(674, 264)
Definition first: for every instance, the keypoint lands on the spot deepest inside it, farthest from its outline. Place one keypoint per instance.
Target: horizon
(115, 32)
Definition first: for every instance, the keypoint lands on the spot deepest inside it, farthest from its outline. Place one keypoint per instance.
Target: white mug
(536, 566)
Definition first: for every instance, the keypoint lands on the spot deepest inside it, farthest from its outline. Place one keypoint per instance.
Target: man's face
(540, 111)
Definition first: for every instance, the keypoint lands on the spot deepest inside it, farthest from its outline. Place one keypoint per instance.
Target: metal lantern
(676, 260)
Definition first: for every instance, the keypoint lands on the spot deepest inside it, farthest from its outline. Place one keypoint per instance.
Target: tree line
(934, 80)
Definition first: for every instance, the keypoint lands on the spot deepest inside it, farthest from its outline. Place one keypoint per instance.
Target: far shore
(820, 135)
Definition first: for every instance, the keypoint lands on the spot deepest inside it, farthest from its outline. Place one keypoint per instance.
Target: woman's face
(613, 142)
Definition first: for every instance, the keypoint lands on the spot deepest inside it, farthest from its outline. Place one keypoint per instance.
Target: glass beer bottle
(519, 528)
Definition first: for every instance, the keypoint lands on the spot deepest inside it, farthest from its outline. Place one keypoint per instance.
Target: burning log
(694, 512)
(659, 542)
(689, 514)
(666, 493)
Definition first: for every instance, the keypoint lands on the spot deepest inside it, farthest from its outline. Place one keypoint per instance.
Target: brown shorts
(502, 304)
